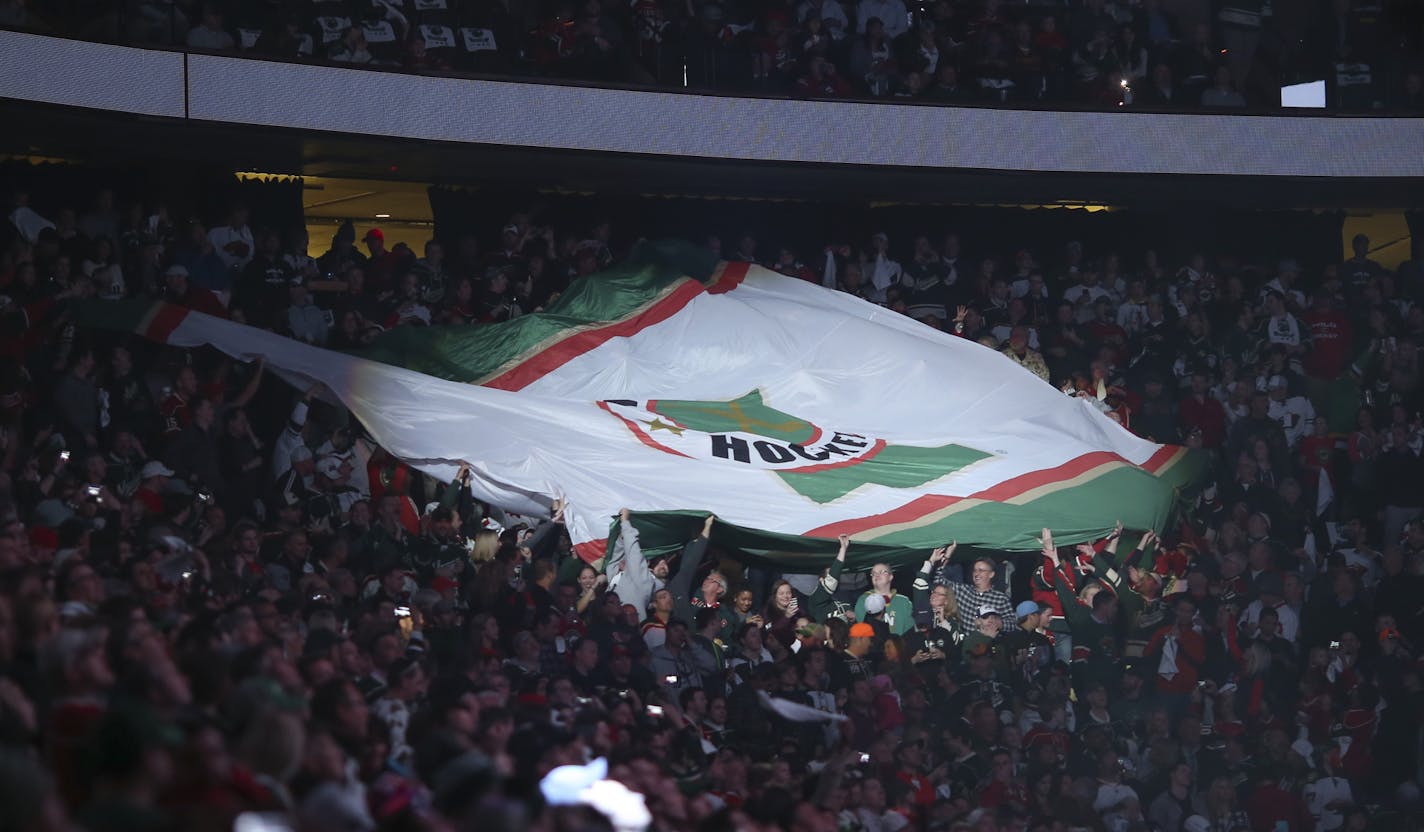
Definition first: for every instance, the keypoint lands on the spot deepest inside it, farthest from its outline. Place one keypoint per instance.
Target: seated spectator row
(1139, 53)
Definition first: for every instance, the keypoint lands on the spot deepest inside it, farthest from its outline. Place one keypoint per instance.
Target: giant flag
(679, 386)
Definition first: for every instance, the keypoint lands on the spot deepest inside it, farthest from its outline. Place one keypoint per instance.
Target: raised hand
(624, 514)
(1049, 550)
(707, 525)
(1149, 537)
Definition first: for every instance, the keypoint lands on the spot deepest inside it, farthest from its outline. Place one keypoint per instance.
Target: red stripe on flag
(643, 436)
(1008, 489)
(591, 550)
(1164, 455)
(165, 320)
(731, 277)
(549, 360)
(916, 508)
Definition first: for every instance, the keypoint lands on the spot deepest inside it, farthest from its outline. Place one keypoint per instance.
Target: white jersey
(1296, 416)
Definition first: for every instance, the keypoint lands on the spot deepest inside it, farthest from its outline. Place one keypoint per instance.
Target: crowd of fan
(1166, 54)
(220, 603)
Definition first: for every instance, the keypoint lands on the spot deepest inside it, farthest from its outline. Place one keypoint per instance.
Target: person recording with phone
(675, 665)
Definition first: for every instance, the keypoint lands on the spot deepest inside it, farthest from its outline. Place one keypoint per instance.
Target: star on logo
(659, 424)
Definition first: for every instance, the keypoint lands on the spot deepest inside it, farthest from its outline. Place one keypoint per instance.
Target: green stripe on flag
(117, 315)
(473, 353)
(1141, 500)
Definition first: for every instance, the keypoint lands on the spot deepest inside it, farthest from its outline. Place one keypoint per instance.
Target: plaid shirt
(971, 600)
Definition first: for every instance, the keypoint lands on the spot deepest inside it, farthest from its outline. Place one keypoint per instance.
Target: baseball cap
(154, 468)
(1276, 382)
(874, 604)
(862, 630)
(985, 612)
(510, 229)
(1026, 608)
(175, 270)
(375, 234)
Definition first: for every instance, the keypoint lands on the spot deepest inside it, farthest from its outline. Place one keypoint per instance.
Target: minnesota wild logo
(820, 464)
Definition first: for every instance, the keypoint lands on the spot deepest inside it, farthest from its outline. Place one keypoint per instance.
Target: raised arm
(1072, 610)
(626, 550)
(451, 495)
(543, 536)
(630, 568)
(822, 603)
(1113, 539)
(942, 557)
(1149, 540)
(1104, 569)
(937, 558)
(681, 583)
(252, 384)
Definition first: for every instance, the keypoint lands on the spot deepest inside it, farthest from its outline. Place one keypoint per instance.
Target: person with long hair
(741, 610)
(484, 544)
(590, 584)
(937, 600)
(780, 612)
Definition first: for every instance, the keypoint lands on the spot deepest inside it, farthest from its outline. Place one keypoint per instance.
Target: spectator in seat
(182, 292)
(1222, 92)
(209, 33)
(820, 80)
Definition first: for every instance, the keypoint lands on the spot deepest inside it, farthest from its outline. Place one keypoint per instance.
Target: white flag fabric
(795, 711)
(678, 387)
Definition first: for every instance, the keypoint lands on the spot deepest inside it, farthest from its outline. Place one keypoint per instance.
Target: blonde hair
(485, 544)
(951, 605)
